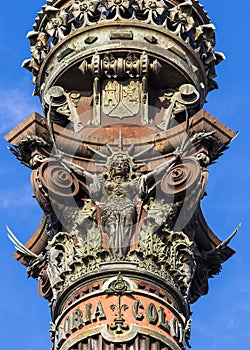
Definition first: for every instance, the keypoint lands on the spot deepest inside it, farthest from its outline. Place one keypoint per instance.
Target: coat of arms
(121, 98)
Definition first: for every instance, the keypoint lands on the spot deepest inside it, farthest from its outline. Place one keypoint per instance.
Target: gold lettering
(135, 310)
(88, 308)
(151, 314)
(67, 326)
(77, 321)
(99, 312)
(163, 323)
(174, 329)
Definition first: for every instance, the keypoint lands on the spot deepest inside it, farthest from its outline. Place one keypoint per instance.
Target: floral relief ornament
(83, 11)
(155, 10)
(181, 18)
(57, 24)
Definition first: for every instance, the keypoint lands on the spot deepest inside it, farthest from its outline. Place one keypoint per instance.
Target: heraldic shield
(121, 99)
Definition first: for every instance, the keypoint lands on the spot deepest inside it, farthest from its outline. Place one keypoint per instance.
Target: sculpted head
(120, 166)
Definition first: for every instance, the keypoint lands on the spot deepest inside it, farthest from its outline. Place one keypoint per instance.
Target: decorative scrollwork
(178, 102)
(44, 286)
(58, 180)
(181, 177)
(63, 107)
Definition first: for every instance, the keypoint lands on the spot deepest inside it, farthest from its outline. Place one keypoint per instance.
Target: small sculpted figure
(57, 25)
(182, 19)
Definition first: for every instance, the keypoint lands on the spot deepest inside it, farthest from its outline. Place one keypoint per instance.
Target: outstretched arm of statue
(164, 167)
(93, 180)
(78, 170)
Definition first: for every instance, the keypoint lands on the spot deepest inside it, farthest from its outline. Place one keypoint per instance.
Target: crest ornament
(121, 99)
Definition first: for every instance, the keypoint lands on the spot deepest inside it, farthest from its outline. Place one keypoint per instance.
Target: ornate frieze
(120, 311)
(183, 20)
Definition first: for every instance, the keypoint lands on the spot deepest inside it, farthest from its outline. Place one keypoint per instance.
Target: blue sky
(220, 319)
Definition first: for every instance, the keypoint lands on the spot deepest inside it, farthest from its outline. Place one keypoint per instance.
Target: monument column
(119, 164)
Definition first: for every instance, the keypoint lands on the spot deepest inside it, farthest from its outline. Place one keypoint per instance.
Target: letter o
(152, 314)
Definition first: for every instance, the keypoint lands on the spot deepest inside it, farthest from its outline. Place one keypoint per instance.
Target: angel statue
(118, 190)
